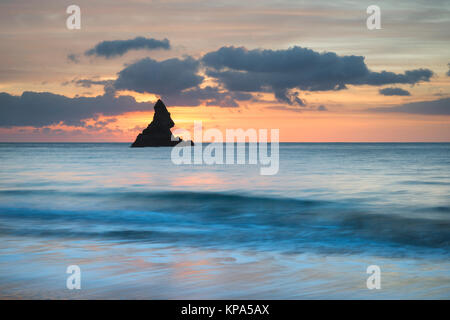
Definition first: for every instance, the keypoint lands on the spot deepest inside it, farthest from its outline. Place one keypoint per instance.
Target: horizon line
(318, 142)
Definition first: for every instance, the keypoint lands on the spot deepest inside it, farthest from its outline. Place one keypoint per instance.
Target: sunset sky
(311, 69)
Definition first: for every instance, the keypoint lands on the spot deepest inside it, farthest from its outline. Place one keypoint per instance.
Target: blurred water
(142, 227)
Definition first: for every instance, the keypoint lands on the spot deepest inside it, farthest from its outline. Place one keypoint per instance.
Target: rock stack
(158, 133)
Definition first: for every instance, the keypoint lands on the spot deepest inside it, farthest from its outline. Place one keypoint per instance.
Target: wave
(422, 182)
(220, 220)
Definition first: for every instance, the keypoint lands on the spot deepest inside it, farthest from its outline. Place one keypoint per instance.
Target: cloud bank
(237, 74)
(297, 68)
(39, 109)
(237, 70)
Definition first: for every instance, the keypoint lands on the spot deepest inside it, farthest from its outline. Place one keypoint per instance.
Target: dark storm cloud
(110, 49)
(435, 107)
(280, 71)
(238, 70)
(394, 92)
(160, 77)
(177, 81)
(39, 109)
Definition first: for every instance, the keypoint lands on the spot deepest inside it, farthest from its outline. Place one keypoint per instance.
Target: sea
(138, 226)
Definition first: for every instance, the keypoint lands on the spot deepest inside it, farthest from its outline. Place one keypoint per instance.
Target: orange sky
(36, 44)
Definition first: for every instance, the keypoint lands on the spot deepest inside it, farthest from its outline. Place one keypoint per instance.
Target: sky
(311, 69)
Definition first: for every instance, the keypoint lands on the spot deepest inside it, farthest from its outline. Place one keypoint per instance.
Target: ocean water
(141, 227)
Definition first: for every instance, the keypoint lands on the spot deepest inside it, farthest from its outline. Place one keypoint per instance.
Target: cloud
(296, 108)
(42, 109)
(240, 71)
(386, 77)
(176, 81)
(39, 109)
(160, 77)
(87, 83)
(435, 107)
(290, 98)
(111, 49)
(72, 57)
(394, 92)
(448, 72)
(284, 71)
(212, 96)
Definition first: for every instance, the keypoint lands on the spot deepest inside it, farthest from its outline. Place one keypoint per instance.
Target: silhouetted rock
(158, 133)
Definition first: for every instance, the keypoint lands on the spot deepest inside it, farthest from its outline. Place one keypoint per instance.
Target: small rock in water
(158, 133)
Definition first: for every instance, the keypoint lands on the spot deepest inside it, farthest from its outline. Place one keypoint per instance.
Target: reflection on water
(141, 227)
(135, 271)
(198, 180)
